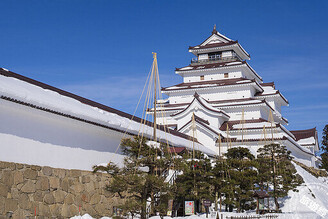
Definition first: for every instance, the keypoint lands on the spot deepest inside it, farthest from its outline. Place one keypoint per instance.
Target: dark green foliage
(241, 177)
(276, 171)
(195, 182)
(324, 147)
(141, 178)
(324, 161)
(324, 142)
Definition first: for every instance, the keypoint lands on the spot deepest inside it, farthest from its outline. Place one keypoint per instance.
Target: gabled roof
(205, 105)
(211, 84)
(212, 45)
(218, 40)
(210, 66)
(303, 134)
(204, 123)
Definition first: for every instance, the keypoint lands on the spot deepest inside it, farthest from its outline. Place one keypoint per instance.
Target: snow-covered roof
(23, 90)
(212, 84)
(307, 137)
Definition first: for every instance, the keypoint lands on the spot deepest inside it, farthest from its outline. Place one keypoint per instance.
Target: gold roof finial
(214, 29)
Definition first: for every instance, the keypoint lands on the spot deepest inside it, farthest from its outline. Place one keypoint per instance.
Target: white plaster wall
(211, 76)
(22, 125)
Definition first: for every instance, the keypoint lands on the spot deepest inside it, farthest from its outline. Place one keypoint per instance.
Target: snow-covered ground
(310, 202)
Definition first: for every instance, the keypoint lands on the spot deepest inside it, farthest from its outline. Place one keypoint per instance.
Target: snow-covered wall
(35, 137)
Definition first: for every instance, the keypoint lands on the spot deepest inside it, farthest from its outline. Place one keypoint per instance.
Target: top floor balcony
(217, 58)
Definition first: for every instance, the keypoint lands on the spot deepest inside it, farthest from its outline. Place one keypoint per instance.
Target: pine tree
(276, 171)
(141, 179)
(241, 178)
(324, 147)
(218, 181)
(194, 183)
(324, 142)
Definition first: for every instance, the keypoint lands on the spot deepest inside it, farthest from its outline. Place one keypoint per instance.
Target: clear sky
(101, 49)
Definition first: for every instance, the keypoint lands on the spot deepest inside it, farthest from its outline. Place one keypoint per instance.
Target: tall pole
(155, 84)
(193, 138)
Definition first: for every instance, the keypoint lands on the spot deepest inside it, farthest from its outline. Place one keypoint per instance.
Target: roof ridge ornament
(214, 30)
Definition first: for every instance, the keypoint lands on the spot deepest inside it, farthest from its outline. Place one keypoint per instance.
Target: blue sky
(101, 49)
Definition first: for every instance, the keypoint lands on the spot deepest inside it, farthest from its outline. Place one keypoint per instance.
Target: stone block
(69, 199)
(18, 177)
(24, 202)
(59, 196)
(64, 185)
(11, 205)
(47, 171)
(10, 166)
(4, 189)
(42, 183)
(60, 173)
(7, 178)
(19, 166)
(55, 209)
(85, 197)
(54, 182)
(49, 199)
(2, 205)
(28, 187)
(44, 210)
(75, 173)
(95, 199)
(69, 210)
(87, 208)
(34, 167)
(30, 174)
(77, 188)
(85, 179)
(14, 193)
(38, 196)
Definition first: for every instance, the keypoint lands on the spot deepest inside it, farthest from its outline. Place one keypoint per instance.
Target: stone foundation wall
(52, 192)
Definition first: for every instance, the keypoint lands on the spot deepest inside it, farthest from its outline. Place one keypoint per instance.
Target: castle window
(226, 75)
(202, 77)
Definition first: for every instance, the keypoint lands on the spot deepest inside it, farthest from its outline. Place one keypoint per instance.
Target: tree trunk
(216, 200)
(276, 203)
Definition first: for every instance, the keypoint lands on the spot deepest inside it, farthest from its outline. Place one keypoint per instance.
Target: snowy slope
(312, 199)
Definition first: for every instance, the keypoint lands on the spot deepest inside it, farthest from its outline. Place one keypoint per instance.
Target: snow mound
(87, 216)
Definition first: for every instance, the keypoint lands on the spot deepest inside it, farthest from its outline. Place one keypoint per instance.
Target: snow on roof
(307, 141)
(12, 87)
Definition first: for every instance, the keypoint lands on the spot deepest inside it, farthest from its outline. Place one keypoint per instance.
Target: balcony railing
(216, 59)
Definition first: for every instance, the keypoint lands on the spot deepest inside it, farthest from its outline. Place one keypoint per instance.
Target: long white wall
(36, 137)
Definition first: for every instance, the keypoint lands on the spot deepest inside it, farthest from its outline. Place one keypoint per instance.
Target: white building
(230, 103)
(46, 126)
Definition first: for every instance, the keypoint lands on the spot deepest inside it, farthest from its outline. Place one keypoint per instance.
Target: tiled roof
(209, 66)
(212, 45)
(235, 122)
(177, 150)
(211, 83)
(302, 134)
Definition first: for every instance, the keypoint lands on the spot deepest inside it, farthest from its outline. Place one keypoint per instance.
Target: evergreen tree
(324, 142)
(241, 179)
(141, 179)
(276, 171)
(218, 181)
(324, 147)
(194, 183)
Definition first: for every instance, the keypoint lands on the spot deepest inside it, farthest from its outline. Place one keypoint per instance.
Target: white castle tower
(230, 103)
